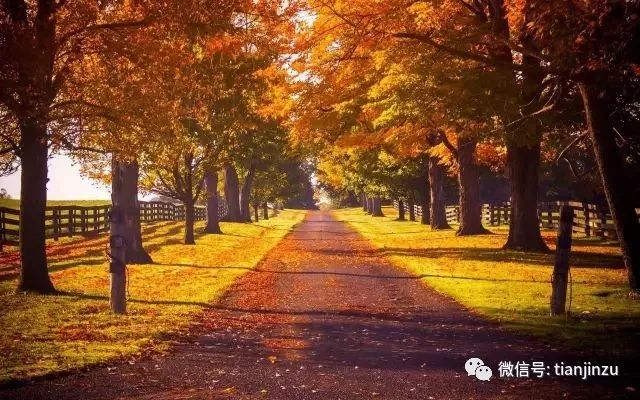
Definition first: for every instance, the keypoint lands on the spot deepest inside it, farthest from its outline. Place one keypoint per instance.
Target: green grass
(15, 203)
(513, 288)
(44, 334)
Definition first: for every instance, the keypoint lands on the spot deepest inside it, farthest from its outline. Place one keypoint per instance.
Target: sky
(65, 182)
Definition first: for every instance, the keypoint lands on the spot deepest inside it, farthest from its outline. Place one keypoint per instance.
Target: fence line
(74, 220)
(590, 220)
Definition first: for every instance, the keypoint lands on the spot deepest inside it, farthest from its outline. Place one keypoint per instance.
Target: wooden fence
(589, 219)
(79, 220)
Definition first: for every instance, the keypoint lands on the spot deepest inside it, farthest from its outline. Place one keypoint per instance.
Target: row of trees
(394, 94)
(160, 96)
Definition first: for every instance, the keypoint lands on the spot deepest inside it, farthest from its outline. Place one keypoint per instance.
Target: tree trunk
(613, 178)
(265, 211)
(436, 188)
(245, 193)
(364, 202)
(189, 221)
(119, 220)
(401, 216)
(412, 208)
(377, 207)
(524, 228)
(211, 182)
(232, 193)
(34, 275)
(125, 195)
(369, 205)
(469, 184)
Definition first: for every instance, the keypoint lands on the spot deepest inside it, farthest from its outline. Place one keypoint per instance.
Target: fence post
(561, 265)
(83, 220)
(2, 234)
(603, 222)
(56, 222)
(587, 219)
(71, 221)
(117, 266)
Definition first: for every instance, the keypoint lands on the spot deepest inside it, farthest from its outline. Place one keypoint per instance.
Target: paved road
(326, 317)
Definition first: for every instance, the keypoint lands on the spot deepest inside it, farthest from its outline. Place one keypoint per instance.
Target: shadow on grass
(578, 258)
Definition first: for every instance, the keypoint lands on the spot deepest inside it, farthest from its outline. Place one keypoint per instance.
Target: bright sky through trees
(65, 182)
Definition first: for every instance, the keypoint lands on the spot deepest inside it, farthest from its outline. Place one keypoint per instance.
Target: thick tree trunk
(211, 183)
(125, 195)
(436, 188)
(189, 221)
(412, 208)
(613, 177)
(524, 227)
(245, 193)
(34, 275)
(265, 211)
(232, 193)
(469, 184)
(364, 202)
(377, 207)
(401, 216)
(369, 205)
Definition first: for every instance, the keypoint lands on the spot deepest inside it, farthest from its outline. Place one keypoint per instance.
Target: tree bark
(256, 213)
(34, 274)
(412, 208)
(436, 187)
(369, 205)
(524, 227)
(469, 184)
(245, 194)
(364, 202)
(211, 182)
(189, 221)
(232, 193)
(125, 195)
(401, 213)
(377, 207)
(265, 211)
(613, 177)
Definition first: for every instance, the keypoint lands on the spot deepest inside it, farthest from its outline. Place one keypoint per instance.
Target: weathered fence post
(1, 229)
(561, 266)
(587, 219)
(70, 222)
(55, 221)
(117, 267)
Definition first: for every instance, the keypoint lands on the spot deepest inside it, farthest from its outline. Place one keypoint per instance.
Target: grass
(45, 334)
(513, 288)
(15, 203)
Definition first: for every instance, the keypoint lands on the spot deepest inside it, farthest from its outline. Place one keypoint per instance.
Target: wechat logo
(476, 367)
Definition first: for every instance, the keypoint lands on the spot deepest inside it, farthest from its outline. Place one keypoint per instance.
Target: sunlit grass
(513, 287)
(43, 334)
(15, 203)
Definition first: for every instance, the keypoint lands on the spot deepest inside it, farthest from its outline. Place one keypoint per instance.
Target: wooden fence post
(1, 229)
(561, 266)
(118, 266)
(70, 221)
(587, 219)
(55, 221)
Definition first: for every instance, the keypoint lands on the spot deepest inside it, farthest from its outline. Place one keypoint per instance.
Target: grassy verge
(44, 334)
(513, 288)
(15, 203)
